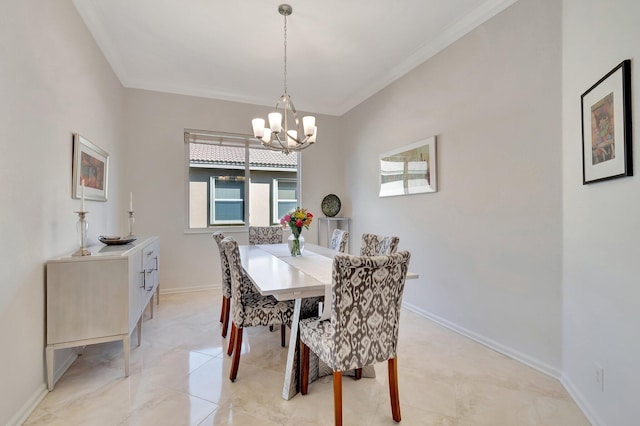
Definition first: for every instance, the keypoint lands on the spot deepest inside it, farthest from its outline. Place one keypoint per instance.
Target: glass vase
(296, 244)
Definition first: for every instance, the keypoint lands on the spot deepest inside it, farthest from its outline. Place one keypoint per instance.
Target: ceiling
(339, 52)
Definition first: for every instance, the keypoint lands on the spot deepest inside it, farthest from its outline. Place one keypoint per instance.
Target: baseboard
(189, 289)
(581, 402)
(25, 411)
(534, 363)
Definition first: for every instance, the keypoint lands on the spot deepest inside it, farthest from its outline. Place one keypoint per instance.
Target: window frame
(212, 200)
(275, 199)
(228, 139)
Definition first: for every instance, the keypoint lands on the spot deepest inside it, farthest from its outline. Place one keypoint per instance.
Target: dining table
(275, 272)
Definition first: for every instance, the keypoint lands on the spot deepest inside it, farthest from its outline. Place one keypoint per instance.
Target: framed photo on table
(606, 127)
(91, 166)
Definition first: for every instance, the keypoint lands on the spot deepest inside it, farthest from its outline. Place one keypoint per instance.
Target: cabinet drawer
(151, 265)
(150, 255)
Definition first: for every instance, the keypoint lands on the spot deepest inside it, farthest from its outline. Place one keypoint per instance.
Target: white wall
(601, 287)
(542, 270)
(487, 245)
(156, 172)
(54, 81)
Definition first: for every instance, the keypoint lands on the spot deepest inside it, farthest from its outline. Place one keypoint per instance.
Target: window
(227, 195)
(234, 181)
(284, 196)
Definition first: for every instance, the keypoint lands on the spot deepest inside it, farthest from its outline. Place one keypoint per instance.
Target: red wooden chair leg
(236, 355)
(337, 397)
(283, 335)
(226, 307)
(232, 339)
(222, 309)
(304, 367)
(393, 389)
(358, 373)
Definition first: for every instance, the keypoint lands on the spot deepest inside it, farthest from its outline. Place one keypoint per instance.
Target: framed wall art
(606, 127)
(410, 169)
(91, 166)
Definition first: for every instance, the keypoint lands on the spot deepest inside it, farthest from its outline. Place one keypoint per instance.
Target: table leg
(291, 377)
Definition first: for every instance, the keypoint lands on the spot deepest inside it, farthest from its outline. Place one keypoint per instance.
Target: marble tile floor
(179, 376)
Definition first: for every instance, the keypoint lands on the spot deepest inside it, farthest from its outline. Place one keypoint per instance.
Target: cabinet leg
(151, 305)
(50, 352)
(126, 348)
(158, 294)
(139, 327)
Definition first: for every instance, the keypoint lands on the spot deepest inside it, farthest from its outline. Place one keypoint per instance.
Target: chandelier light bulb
(258, 127)
(312, 138)
(275, 122)
(292, 137)
(309, 123)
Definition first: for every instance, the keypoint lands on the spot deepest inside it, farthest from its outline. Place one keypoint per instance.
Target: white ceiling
(339, 52)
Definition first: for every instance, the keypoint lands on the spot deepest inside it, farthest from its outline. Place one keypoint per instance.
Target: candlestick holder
(83, 226)
(132, 220)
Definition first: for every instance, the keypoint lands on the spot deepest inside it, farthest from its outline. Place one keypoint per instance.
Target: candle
(131, 201)
(82, 195)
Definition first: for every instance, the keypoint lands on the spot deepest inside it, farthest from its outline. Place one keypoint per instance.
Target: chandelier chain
(285, 53)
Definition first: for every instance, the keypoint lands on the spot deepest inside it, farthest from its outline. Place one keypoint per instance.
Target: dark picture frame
(91, 165)
(606, 127)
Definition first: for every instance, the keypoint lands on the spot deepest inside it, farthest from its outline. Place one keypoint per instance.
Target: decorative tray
(110, 240)
(330, 205)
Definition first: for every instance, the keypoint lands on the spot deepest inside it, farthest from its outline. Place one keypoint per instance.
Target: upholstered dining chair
(268, 235)
(265, 235)
(250, 308)
(218, 236)
(363, 329)
(339, 240)
(376, 245)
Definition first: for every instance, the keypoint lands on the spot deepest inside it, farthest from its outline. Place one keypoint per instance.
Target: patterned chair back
(265, 235)
(366, 300)
(339, 240)
(218, 236)
(238, 277)
(376, 245)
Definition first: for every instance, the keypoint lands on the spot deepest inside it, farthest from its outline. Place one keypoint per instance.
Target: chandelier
(285, 132)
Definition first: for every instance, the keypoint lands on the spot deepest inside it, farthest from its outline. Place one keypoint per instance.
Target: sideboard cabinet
(100, 298)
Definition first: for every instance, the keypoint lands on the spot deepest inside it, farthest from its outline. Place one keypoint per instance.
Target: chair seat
(318, 336)
(265, 310)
